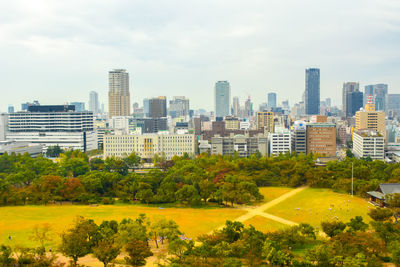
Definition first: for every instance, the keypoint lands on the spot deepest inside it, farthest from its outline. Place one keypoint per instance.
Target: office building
(299, 137)
(151, 125)
(321, 139)
(53, 125)
(222, 99)
(312, 92)
(272, 100)
(352, 98)
(394, 102)
(380, 95)
(118, 95)
(265, 120)
(3, 126)
(10, 109)
(279, 142)
(248, 108)
(236, 106)
(371, 119)
(179, 107)
(79, 106)
(147, 145)
(243, 145)
(94, 102)
(158, 107)
(368, 143)
(232, 123)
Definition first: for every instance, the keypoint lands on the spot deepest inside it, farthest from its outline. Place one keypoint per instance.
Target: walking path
(260, 210)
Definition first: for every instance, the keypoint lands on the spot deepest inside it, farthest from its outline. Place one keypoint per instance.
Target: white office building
(279, 142)
(53, 125)
(368, 143)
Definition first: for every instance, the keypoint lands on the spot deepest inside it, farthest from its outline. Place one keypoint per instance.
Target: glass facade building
(312, 92)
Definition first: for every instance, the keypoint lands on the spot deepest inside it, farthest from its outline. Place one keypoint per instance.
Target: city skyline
(58, 53)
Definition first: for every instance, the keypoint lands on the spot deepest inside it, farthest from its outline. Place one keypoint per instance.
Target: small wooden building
(378, 196)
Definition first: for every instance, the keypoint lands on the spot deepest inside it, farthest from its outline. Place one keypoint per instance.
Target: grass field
(271, 193)
(18, 222)
(315, 205)
(263, 224)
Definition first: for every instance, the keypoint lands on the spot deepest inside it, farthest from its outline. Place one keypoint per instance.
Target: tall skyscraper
(352, 98)
(312, 92)
(222, 98)
(158, 107)
(118, 94)
(236, 106)
(272, 100)
(79, 106)
(94, 102)
(146, 107)
(10, 109)
(368, 90)
(248, 108)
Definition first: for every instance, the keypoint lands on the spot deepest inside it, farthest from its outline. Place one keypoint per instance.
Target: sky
(59, 51)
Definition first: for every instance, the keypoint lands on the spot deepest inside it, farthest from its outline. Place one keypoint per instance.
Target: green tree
(333, 228)
(6, 258)
(137, 251)
(380, 214)
(106, 250)
(42, 234)
(357, 224)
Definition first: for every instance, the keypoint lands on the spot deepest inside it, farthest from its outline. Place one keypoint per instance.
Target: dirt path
(260, 210)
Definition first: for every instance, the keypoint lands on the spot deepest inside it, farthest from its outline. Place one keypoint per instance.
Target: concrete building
(236, 106)
(119, 102)
(368, 143)
(279, 142)
(321, 139)
(272, 100)
(21, 148)
(265, 119)
(178, 107)
(312, 92)
(371, 119)
(24, 106)
(158, 107)
(94, 102)
(243, 145)
(222, 99)
(79, 106)
(232, 123)
(147, 145)
(53, 125)
(3, 126)
(299, 137)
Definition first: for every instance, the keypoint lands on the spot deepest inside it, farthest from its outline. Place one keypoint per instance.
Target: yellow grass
(271, 193)
(315, 205)
(18, 222)
(263, 224)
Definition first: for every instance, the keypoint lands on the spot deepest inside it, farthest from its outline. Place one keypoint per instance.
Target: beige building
(147, 145)
(118, 94)
(243, 145)
(368, 143)
(265, 119)
(371, 119)
(232, 123)
(321, 139)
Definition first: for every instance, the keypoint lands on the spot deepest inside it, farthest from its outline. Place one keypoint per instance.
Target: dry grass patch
(264, 225)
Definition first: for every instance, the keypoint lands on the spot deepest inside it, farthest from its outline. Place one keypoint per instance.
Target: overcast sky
(58, 51)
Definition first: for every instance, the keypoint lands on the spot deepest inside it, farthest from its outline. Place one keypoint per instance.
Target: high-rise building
(312, 92)
(328, 102)
(248, 108)
(321, 139)
(348, 88)
(79, 106)
(179, 107)
(236, 106)
(355, 102)
(272, 100)
(118, 95)
(24, 106)
(379, 93)
(371, 119)
(158, 107)
(299, 137)
(94, 102)
(222, 98)
(279, 142)
(53, 125)
(146, 107)
(265, 119)
(3, 126)
(10, 109)
(394, 102)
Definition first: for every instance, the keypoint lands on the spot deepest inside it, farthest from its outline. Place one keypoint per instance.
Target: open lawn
(19, 221)
(271, 193)
(263, 224)
(314, 205)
